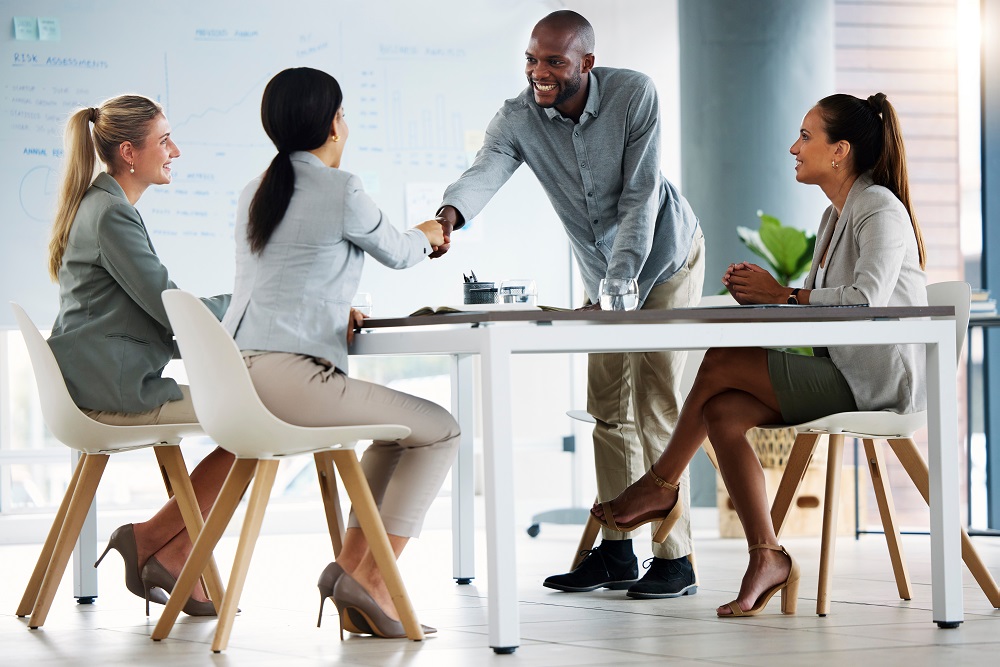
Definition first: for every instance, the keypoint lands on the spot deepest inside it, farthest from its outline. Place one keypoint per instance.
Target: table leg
(504, 630)
(942, 456)
(463, 478)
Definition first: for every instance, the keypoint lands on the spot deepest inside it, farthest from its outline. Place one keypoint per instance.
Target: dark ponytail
(297, 111)
(871, 127)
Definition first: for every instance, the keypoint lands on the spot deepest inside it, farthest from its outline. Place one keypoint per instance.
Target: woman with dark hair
(870, 251)
(112, 338)
(302, 231)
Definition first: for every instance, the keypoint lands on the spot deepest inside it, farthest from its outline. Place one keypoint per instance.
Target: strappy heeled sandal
(667, 518)
(789, 590)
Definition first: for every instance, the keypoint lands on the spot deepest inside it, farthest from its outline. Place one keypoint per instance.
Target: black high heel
(122, 540)
(156, 577)
(361, 614)
(327, 580)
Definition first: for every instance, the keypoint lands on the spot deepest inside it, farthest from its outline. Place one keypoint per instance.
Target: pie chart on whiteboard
(38, 193)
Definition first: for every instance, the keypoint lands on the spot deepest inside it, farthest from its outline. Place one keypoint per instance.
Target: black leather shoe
(600, 568)
(665, 578)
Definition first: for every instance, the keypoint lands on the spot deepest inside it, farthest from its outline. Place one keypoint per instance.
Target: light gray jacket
(296, 295)
(112, 337)
(873, 259)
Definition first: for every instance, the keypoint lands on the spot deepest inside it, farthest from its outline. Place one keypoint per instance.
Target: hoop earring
(131, 168)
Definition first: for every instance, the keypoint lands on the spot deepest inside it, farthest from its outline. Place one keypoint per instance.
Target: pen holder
(479, 293)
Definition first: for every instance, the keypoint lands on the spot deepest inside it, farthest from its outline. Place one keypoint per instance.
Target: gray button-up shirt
(602, 175)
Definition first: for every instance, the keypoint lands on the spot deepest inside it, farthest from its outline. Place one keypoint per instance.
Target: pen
(474, 279)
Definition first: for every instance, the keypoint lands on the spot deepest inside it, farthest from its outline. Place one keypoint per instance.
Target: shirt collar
(593, 102)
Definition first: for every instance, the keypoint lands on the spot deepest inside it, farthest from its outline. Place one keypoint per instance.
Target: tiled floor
(867, 626)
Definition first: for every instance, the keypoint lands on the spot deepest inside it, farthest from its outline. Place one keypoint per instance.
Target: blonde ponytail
(120, 119)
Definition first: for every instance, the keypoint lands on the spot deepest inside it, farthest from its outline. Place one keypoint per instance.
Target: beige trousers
(635, 398)
(404, 475)
(171, 412)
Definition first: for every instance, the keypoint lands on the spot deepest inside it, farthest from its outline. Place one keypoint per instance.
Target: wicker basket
(773, 445)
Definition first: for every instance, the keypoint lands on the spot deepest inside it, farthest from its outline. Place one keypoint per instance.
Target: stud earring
(834, 164)
(335, 138)
(131, 168)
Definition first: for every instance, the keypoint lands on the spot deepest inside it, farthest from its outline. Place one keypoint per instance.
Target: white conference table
(495, 336)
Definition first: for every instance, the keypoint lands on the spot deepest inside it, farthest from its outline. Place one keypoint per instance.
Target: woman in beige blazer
(870, 251)
(112, 338)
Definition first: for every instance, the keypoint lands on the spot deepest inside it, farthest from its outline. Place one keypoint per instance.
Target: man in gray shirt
(592, 137)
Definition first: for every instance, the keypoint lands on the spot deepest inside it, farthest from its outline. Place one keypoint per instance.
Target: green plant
(787, 250)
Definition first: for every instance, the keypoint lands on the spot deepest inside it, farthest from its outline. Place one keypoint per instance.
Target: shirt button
(576, 134)
(583, 165)
(595, 222)
(590, 194)
(599, 243)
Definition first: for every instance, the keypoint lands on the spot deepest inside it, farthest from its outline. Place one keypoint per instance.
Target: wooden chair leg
(331, 499)
(795, 470)
(262, 485)
(42, 565)
(222, 512)
(908, 454)
(831, 505)
(887, 511)
(175, 476)
(587, 539)
(93, 466)
(364, 507)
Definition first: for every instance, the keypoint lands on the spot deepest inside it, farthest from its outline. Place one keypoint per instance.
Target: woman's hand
(354, 323)
(749, 284)
(434, 231)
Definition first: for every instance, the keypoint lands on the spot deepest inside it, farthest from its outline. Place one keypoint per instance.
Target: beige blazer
(873, 260)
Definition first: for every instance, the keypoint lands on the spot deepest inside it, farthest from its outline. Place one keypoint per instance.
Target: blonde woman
(112, 337)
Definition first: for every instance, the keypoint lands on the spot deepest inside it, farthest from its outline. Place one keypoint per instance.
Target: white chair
(898, 431)
(96, 442)
(232, 414)
(691, 365)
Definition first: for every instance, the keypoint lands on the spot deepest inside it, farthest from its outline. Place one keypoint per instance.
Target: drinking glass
(362, 302)
(519, 290)
(619, 294)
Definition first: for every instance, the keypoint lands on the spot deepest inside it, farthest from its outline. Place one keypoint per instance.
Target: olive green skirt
(808, 387)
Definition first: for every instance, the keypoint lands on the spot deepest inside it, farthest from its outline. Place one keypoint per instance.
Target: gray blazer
(873, 260)
(112, 337)
(296, 295)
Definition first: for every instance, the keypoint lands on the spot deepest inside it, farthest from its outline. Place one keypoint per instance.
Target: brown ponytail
(120, 119)
(872, 128)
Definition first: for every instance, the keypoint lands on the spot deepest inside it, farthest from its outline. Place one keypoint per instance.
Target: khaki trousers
(635, 398)
(404, 475)
(171, 412)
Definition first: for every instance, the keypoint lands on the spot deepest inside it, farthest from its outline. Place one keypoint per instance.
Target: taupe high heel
(327, 580)
(789, 590)
(667, 518)
(360, 614)
(122, 540)
(155, 576)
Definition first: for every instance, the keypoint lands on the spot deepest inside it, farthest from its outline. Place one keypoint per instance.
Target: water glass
(362, 302)
(619, 294)
(519, 290)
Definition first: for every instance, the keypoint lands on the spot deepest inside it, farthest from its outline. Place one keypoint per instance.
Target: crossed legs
(731, 394)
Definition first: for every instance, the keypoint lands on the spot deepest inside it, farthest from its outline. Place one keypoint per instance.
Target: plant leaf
(752, 239)
(788, 246)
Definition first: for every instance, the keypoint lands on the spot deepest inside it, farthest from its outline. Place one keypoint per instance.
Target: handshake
(438, 229)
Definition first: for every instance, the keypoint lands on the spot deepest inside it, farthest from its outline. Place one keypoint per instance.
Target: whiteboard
(420, 87)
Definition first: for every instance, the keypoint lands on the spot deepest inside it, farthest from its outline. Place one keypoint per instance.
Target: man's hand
(450, 220)
(354, 323)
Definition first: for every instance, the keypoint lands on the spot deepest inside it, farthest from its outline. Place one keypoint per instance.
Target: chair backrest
(226, 401)
(955, 293)
(65, 420)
